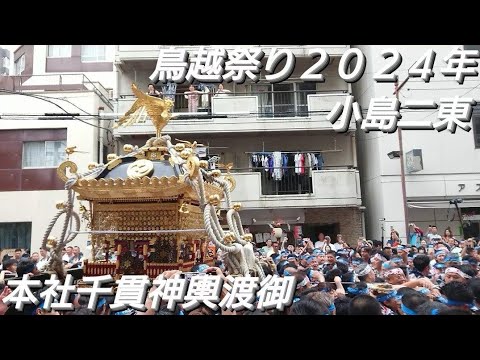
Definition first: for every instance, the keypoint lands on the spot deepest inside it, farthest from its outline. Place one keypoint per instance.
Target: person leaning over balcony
(221, 91)
(192, 96)
(152, 91)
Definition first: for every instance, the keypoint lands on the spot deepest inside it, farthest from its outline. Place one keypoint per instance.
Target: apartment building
(257, 121)
(50, 103)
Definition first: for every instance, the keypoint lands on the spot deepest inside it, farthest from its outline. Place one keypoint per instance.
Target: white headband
(365, 271)
(452, 270)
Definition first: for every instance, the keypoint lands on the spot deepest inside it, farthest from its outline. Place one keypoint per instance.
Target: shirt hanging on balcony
(299, 164)
(277, 166)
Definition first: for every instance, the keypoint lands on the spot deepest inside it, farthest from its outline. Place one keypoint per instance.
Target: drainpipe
(100, 136)
(354, 150)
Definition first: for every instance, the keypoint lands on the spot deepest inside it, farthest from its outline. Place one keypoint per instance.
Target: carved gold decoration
(157, 109)
(127, 148)
(237, 206)
(214, 200)
(92, 165)
(204, 164)
(51, 242)
(185, 154)
(193, 166)
(145, 188)
(60, 205)
(183, 209)
(70, 150)
(179, 147)
(190, 145)
(139, 169)
(111, 157)
(229, 238)
(247, 237)
(215, 173)
(62, 169)
(114, 163)
(231, 180)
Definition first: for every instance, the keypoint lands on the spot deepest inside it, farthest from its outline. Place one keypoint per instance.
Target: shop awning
(442, 204)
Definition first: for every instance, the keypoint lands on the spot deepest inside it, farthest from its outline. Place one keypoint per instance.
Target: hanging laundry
(277, 165)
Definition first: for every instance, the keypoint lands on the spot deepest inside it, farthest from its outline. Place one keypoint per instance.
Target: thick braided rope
(232, 264)
(210, 231)
(260, 272)
(201, 188)
(73, 235)
(239, 223)
(233, 226)
(50, 227)
(68, 214)
(216, 224)
(243, 262)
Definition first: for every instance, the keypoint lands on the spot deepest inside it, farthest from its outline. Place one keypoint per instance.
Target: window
(476, 130)
(283, 100)
(93, 53)
(40, 154)
(59, 51)
(20, 65)
(15, 235)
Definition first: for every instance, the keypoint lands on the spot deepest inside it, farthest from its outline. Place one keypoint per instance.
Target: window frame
(59, 57)
(45, 150)
(16, 63)
(96, 59)
(476, 130)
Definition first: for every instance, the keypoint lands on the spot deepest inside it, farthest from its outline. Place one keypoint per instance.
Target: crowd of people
(437, 277)
(22, 262)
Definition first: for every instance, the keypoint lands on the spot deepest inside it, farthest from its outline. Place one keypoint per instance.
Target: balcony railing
(55, 82)
(264, 104)
(285, 180)
(331, 186)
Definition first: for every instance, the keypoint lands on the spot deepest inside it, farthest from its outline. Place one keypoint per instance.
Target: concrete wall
(330, 188)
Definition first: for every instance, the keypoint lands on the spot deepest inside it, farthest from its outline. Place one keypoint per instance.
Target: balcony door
(283, 99)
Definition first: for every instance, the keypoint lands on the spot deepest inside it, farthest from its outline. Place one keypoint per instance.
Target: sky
(12, 48)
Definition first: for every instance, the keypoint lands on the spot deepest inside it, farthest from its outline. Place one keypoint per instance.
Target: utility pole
(402, 165)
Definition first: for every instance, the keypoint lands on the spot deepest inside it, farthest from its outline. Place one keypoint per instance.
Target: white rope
(233, 226)
(216, 224)
(211, 233)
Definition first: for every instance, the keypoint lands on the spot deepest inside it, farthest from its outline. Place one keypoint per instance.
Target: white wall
(331, 188)
(39, 206)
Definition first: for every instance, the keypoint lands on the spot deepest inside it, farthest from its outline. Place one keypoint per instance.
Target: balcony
(54, 82)
(265, 111)
(150, 52)
(325, 188)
